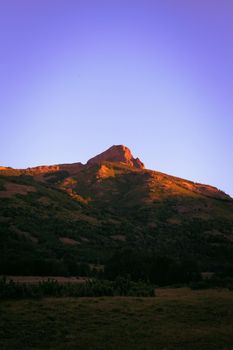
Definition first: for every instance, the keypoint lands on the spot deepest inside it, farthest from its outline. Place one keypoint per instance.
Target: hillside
(62, 219)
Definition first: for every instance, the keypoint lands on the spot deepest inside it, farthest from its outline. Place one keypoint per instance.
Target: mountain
(59, 219)
(117, 154)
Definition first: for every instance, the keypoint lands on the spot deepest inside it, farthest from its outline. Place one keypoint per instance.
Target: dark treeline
(159, 270)
(92, 288)
(133, 264)
(45, 267)
(137, 265)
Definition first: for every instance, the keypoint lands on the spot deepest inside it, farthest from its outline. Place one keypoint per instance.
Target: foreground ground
(174, 319)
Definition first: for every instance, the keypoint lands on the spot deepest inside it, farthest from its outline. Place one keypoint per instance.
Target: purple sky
(77, 76)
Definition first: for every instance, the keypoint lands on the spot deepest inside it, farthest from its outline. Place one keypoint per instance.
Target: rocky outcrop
(43, 169)
(117, 154)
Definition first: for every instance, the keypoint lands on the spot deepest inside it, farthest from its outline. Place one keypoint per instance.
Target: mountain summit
(117, 154)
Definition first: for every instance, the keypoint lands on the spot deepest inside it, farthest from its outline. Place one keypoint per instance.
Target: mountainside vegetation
(110, 218)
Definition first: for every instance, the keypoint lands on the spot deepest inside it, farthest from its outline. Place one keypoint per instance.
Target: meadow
(174, 319)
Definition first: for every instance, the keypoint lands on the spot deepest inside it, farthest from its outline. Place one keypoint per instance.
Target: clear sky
(77, 76)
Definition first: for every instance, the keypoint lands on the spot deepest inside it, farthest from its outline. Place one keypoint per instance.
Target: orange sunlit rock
(117, 154)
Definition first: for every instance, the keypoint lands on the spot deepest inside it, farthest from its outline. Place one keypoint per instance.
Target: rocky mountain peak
(117, 154)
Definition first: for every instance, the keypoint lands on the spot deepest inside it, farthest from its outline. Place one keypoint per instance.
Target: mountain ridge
(118, 154)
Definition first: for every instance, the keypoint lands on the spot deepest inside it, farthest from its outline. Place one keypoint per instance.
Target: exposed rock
(104, 172)
(42, 169)
(68, 241)
(72, 168)
(4, 168)
(117, 154)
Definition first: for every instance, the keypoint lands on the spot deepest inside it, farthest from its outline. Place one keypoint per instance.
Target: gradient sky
(77, 76)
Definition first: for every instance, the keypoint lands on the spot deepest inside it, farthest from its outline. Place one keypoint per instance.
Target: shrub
(92, 288)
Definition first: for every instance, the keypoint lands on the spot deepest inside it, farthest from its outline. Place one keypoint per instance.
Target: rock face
(43, 169)
(4, 168)
(117, 154)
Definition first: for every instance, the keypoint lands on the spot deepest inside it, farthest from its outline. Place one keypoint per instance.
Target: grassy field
(174, 319)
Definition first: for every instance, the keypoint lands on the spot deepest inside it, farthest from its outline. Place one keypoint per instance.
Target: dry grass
(177, 319)
(11, 189)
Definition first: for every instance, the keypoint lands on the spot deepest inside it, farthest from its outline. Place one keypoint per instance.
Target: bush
(92, 288)
(125, 287)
